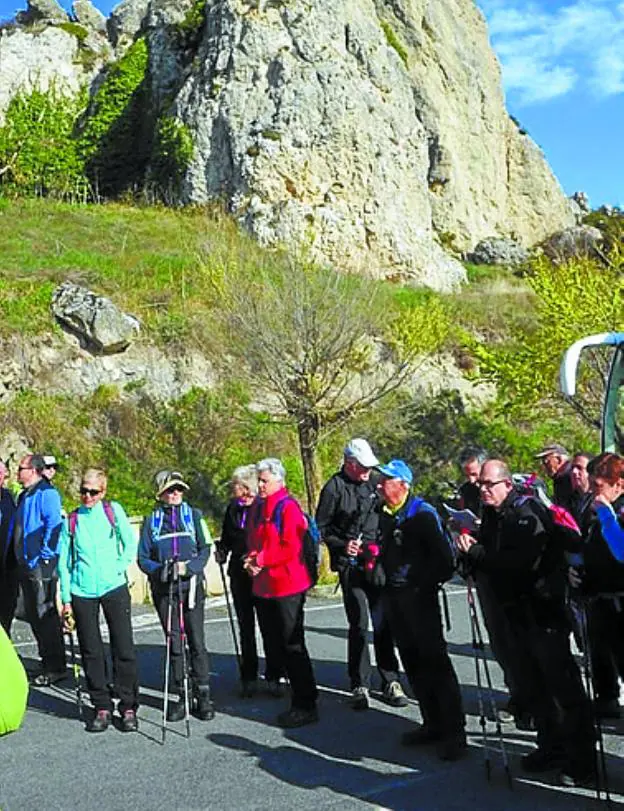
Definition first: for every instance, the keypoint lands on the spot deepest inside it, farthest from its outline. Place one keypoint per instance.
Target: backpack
(559, 523)
(311, 538)
(109, 512)
(419, 504)
(186, 514)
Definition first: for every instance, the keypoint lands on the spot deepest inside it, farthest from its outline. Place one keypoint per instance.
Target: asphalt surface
(242, 760)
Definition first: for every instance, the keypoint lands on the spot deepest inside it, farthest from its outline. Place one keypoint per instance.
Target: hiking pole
(480, 651)
(183, 645)
(167, 655)
(600, 763)
(475, 651)
(232, 626)
(75, 667)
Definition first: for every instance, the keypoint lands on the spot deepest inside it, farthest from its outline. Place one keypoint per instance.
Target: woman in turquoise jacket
(97, 546)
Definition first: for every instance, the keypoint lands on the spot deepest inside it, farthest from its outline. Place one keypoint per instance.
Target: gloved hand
(220, 554)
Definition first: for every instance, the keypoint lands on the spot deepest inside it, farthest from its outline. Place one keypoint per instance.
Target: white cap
(49, 461)
(361, 451)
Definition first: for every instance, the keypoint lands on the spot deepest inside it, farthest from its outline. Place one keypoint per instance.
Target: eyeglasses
(489, 485)
(24, 467)
(174, 489)
(87, 491)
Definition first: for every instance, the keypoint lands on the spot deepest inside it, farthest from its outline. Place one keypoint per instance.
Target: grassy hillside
(159, 264)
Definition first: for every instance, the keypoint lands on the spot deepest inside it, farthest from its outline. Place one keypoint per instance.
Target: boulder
(580, 240)
(498, 251)
(98, 323)
(89, 16)
(42, 11)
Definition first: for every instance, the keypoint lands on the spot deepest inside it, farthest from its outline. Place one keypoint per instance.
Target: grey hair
(471, 454)
(273, 466)
(247, 476)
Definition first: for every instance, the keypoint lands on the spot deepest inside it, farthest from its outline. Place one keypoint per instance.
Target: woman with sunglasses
(173, 553)
(96, 548)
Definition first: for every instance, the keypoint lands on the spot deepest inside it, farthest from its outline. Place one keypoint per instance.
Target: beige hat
(165, 479)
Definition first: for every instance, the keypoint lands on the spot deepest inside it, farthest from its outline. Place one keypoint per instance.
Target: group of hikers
(542, 570)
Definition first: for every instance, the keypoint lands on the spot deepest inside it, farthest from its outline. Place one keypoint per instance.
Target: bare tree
(319, 346)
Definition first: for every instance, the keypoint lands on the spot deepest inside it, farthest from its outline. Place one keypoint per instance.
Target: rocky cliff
(372, 132)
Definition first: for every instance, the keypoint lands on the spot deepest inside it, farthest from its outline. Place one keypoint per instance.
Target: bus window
(613, 410)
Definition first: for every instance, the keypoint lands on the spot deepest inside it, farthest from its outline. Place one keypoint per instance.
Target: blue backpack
(420, 505)
(311, 538)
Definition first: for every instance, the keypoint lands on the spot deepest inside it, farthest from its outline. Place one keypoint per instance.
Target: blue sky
(563, 69)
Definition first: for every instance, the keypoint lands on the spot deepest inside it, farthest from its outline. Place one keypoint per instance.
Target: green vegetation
(38, 154)
(76, 30)
(173, 152)
(193, 21)
(394, 42)
(114, 136)
(177, 269)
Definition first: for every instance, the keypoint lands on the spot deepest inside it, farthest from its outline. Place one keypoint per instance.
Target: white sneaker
(393, 694)
(359, 698)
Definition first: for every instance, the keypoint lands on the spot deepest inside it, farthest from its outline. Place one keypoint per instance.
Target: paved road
(241, 760)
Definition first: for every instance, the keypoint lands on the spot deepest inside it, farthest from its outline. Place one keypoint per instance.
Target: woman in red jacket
(275, 533)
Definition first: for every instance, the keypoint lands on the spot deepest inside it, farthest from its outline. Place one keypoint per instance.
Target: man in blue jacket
(8, 573)
(36, 530)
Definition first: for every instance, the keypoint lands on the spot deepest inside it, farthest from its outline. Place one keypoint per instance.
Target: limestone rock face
(42, 60)
(94, 319)
(60, 365)
(125, 21)
(42, 11)
(89, 16)
(361, 129)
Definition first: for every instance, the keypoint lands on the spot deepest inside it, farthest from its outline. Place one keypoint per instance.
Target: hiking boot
(420, 736)
(47, 678)
(452, 748)
(359, 698)
(249, 688)
(129, 721)
(100, 722)
(205, 710)
(608, 709)
(393, 695)
(542, 760)
(297, 717)
(507, 715)
(275, 689)
(176, 711)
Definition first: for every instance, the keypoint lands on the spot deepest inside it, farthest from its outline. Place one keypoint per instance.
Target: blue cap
(397, 469)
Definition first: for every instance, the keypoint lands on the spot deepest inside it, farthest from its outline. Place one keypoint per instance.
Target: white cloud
(550, 47)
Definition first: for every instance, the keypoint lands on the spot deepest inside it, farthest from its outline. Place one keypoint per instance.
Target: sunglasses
(87, 491)
(175, 489)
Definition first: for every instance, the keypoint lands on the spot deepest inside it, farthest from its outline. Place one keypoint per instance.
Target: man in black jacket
(348, 518)
(526, 568)
(556, 462)
(416, 558)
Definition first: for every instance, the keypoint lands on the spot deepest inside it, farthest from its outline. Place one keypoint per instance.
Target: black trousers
(499, 636)
(9, 585)
(117, 613)
(41, 613)
(551, 683)
(281, 621)
(606, 639)
(360, 598)
(193, 619)
(417, 628)
(245, 607)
